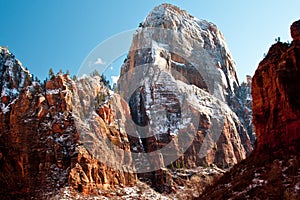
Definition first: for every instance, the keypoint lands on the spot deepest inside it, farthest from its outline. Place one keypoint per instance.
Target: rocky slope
(45, 154)
(272, 170)
(40, 148)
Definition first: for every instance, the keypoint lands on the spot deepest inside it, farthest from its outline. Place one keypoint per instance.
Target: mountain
(179, 116)
(39, 146)
(13, 78)
(180, 82)
(241, 104)
(272, 170)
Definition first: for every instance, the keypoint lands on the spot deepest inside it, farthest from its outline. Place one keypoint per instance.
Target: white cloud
(99, 61)
(114, 79)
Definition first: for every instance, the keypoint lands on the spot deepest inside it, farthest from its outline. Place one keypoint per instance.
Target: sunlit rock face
(41, 144)
(13, 77)
(179, 80)
(177, 106)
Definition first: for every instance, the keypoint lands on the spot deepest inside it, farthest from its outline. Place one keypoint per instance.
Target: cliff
(272, 170)
(180, 109)
(276, 103)
(179, 80)
(40, 148)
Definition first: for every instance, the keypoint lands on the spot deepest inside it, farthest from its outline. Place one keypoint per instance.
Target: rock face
(13, 77)
(40, 145)
(276, 104)
(179, 80)
(272, 170)
(295, 30)
(180, 106)
(241, 104)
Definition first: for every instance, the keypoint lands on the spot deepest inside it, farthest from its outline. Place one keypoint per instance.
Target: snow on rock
(178, 79)
(13, 77)
(186, 42)
(192, 34)
(55, 91)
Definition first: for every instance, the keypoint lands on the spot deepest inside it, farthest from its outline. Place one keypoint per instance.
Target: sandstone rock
(58, 92)
(106, 114)
(179, 80)
(295, 30)
(165, 85)
(53, 138)
(267, 173)
(40, 145)
(276, 103)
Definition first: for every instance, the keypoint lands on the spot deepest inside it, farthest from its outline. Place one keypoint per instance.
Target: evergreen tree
(115, 88)
(74, 78)
(95, 73)
(37, 79)
(105, 81)
(51, 73)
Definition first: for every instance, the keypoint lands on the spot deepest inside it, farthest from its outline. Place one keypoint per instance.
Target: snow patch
(55, 91)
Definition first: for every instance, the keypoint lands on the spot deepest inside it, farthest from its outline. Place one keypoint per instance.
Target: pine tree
(95, 73)
(74, 78)
(115, 88)
(37, 79)
(105, 81)
(51, 73)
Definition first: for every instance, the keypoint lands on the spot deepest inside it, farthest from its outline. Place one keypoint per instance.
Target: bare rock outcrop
(277, 101)
(295, 30)
(13, 77)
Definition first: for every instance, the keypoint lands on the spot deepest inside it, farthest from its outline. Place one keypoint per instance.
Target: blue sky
(61, 33)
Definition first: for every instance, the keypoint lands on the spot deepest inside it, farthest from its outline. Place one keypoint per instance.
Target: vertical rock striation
(179, 69)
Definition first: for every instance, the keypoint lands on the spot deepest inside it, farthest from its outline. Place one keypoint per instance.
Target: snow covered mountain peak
(168, 16)
(13, 77)
(179, 71)
(197, 41)
(172, 17)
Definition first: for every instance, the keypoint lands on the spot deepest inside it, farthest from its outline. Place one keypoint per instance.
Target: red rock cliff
(276, 97)
(272, 170)
(40, 147)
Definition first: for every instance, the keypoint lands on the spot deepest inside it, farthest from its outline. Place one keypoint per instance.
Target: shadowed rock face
(276, 102)
(272, 170)
(295, 30)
